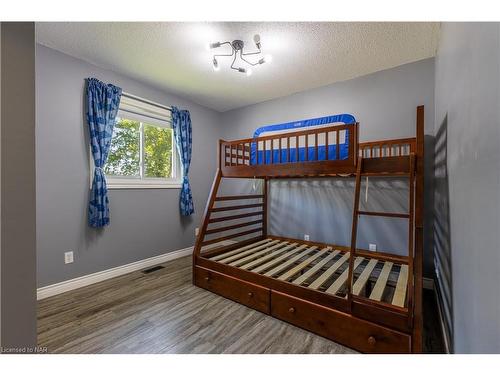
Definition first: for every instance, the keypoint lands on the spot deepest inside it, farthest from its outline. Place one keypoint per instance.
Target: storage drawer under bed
(337, 326)
(248, 294)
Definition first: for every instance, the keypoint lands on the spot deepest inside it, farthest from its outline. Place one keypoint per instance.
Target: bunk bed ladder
(411, 220)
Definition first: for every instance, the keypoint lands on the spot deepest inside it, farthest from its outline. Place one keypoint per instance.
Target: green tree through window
(156, 149)
(125, 154)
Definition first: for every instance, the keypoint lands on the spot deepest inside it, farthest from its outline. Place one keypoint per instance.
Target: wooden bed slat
(304, 264)
(400, 292)
(234, 217)
(234, 226)
(238, 197)
(378, 289)
(337, 284)
(299, 280)
(229, 253)
(329, 272)
(238, 207)
(290, 261)
(385, 214)
(231, 236)
(363, 278)
(265, 258)
(252, 256)
(246, 252)
(275, 261)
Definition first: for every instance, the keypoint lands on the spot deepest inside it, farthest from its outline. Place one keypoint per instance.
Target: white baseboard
(79, 282)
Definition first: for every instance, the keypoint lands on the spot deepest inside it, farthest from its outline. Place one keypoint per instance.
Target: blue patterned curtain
(103, 101)
(183, 133)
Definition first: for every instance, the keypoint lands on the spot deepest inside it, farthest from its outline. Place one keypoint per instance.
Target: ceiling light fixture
(237, 47)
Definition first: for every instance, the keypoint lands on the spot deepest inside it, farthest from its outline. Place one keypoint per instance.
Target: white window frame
(140, 110)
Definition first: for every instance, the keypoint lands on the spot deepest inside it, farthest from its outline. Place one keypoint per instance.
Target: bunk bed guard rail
(260, 155)
(323, 139)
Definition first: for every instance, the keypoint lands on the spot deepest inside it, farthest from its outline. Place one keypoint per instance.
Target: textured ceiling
(173, 56)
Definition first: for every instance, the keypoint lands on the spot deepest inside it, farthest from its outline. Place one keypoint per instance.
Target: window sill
(112, 186)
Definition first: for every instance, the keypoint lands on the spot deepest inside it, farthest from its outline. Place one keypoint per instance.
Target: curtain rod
(146, 101)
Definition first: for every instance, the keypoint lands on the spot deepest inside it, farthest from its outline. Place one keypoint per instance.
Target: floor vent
(152, 269)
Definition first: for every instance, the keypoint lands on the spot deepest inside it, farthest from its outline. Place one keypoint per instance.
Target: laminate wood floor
(162, 312)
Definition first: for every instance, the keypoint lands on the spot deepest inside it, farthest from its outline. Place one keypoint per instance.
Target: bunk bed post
(355, 214)
(419, 239)
(353, 143)
(221, 153)
(411, 238)
(356, 143)
(264, 207)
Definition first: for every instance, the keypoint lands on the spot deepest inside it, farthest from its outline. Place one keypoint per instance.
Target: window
(142, 152)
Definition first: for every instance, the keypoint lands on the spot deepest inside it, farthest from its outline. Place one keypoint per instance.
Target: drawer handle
(250, 294)
(207, 278)
(291, 310)
(372, 341)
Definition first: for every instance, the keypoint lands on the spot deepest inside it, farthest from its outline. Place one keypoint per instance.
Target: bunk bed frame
(369, 301)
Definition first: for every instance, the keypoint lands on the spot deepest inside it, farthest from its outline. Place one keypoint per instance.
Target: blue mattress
(332, 154)
(258, 157)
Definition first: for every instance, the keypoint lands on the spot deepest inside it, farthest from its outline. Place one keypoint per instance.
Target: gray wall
(18, 236)
(144, 223)
(385, 105)
(468, 183)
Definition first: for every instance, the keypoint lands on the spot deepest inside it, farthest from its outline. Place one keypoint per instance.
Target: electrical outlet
(196, 231)
(68, 257)
(306, 237)
(372, 247)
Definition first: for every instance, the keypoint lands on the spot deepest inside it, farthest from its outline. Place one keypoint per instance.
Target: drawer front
(248, 294)
(337, 326)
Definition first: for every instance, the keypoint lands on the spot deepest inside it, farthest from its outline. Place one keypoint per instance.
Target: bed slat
(304, 264)
(247, 252)
(299, 280)
(290, 261)
(265, 258)
(229, 253)
(281, 258)
(329, 272)
(234, 217)
(238, 197)
(363, 278)
(400, 292)
(250, 257)
(337, 284)
(378, 289)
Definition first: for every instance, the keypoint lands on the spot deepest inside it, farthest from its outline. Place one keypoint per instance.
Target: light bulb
(249, 72)
(207, 47)
(256, 39)
(216, 65)
(268, 58)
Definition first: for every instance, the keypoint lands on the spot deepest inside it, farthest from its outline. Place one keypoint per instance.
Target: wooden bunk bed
(369, 301)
